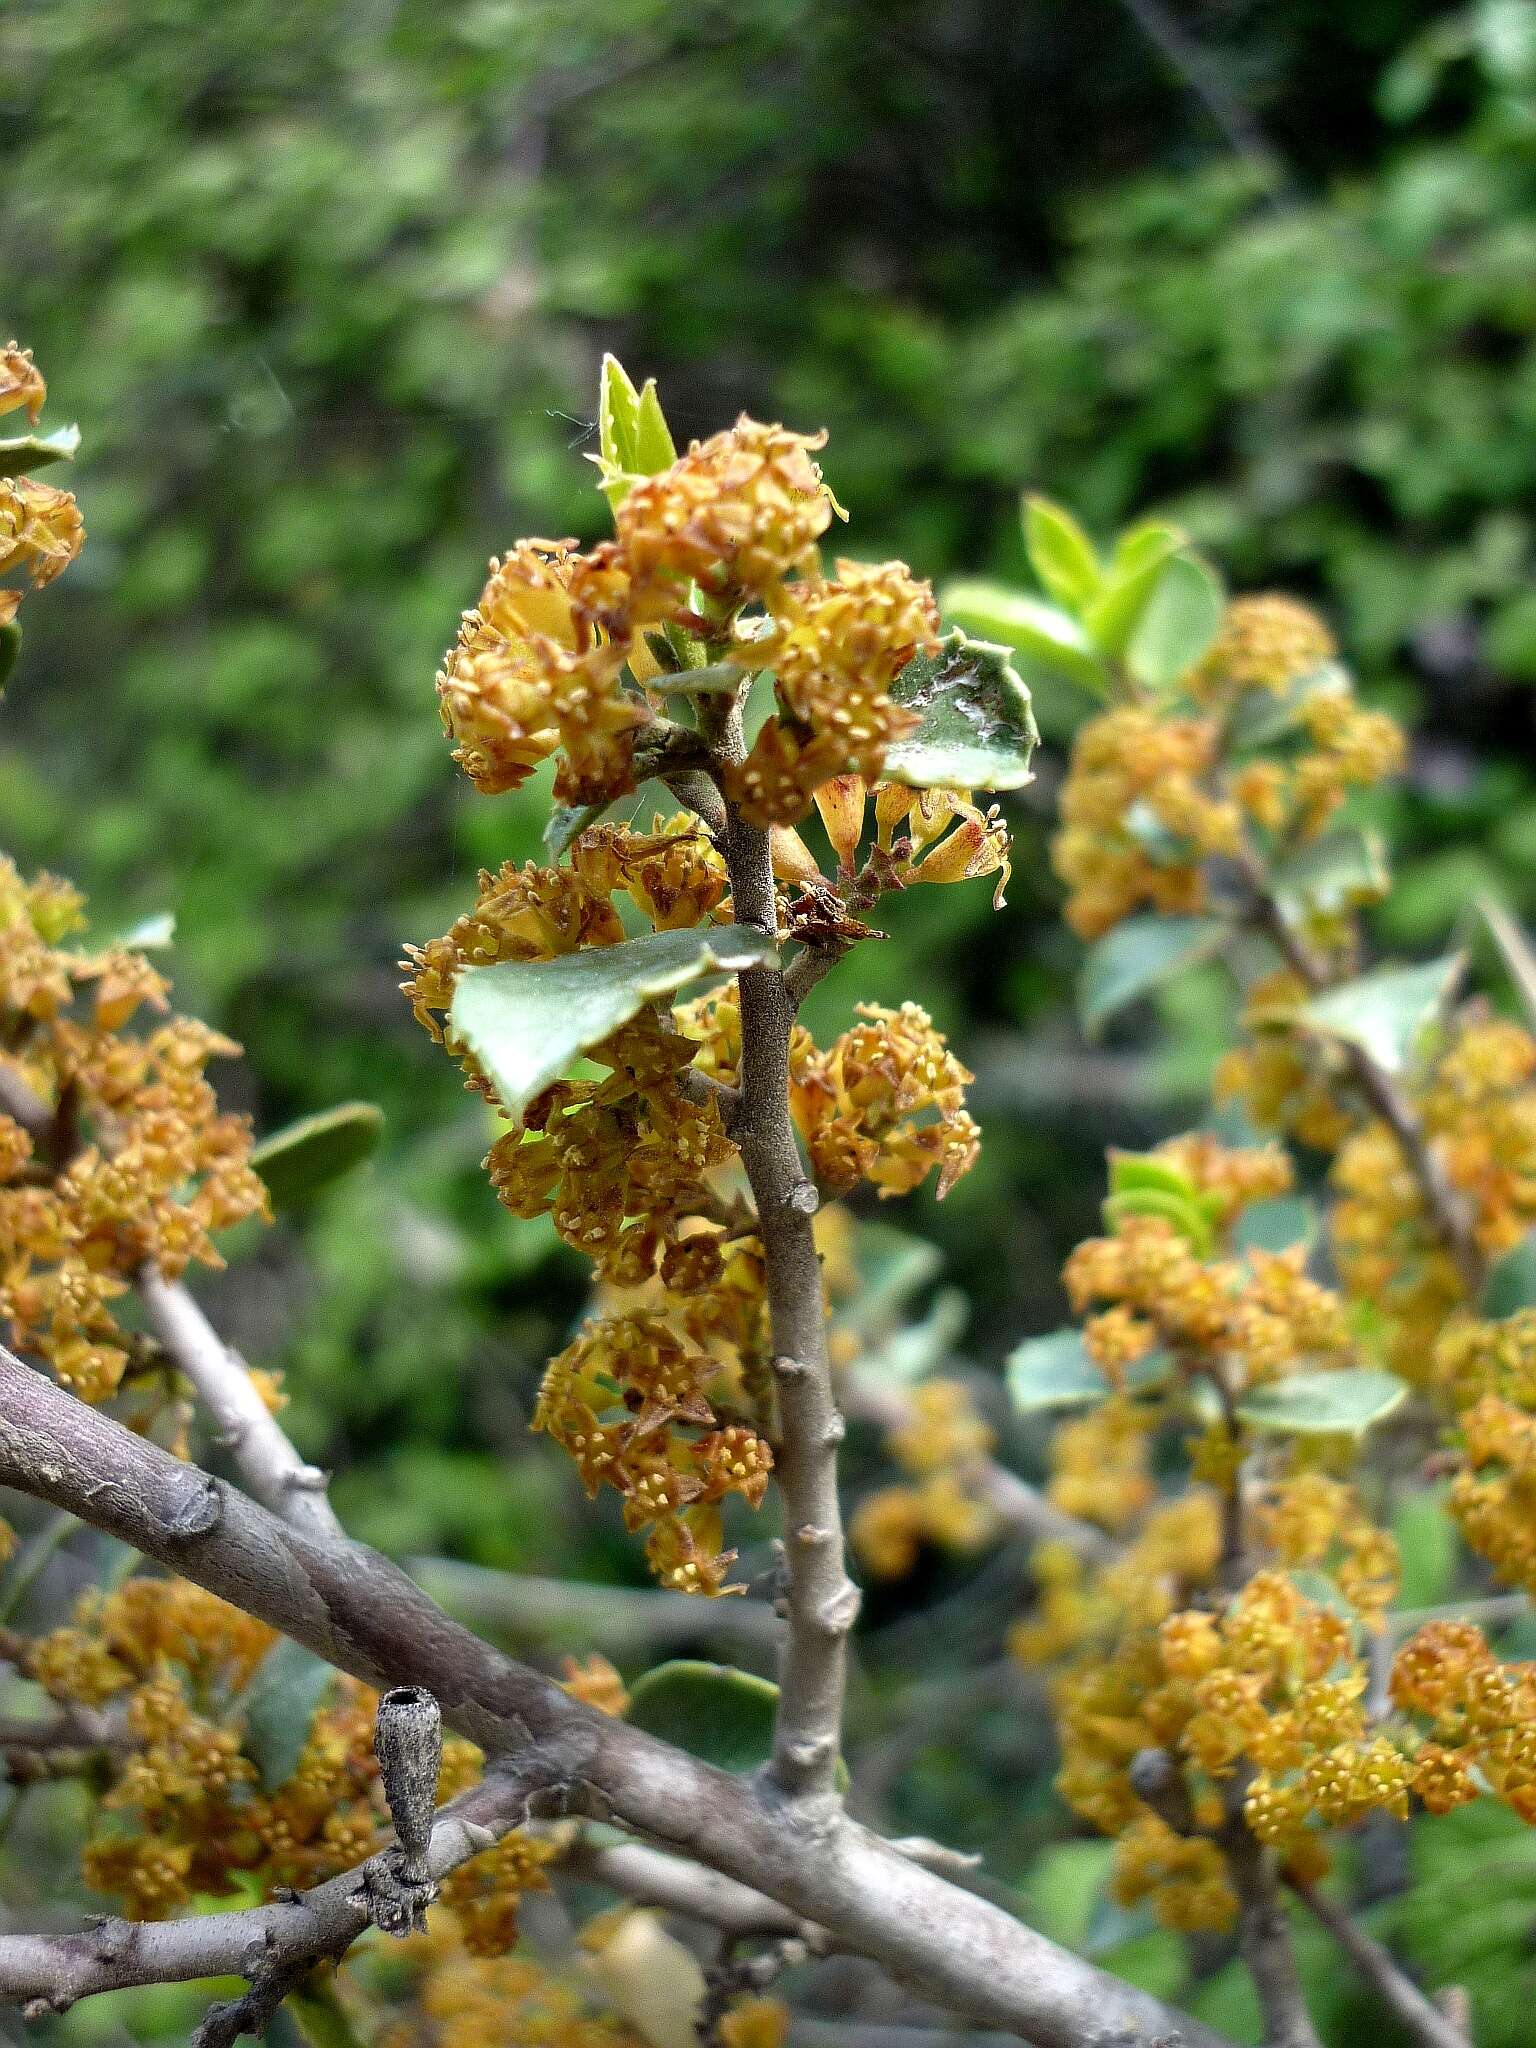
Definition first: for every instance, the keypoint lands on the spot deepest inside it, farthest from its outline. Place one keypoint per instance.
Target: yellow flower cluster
(1267, 641)
(484, 1894)
(836, 646)
(183, 1810)
(673, 876)
(1285, 1081)
(559, 649)
(1260, 1315)
(1477, 1105)
(1311, 1520)
(41, 531)
(1266, 1696)
(884, 1103)
(1081, 1608)
(1479, 1714)
(940, 1443)
(628, 1400)
(138, 1162)
(921, 835)
(463, 1999)
(1155, 791)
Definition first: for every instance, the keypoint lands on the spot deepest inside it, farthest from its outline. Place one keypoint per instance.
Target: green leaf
(1116, 612)
(566, 823)
(1385, 1013)
(1261, 715)
(618, 417)
(1137, 956)
(1515, 949)
(1061, 554)
(10, 652)
(1149, 540)
(719, 1714)
(1511, 1282)
(26, 452)
(1162, 847)
(322, 2019)
(1037, 633)
(303, 1158)
(280, 1702)
(1342, 868)
(1275, 1225)
(632, 434)
(1132, 1171)
(150, 933)
(1056, 1372)
(1183, 1211)
(655, 449)
(1427, 1547)
(1181, 619)
(1323, 1403)
(525, 1021)
(1064, 1888)
(977, 730)
(914, 1350)
(892, 1266)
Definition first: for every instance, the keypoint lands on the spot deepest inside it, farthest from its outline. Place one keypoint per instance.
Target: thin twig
(267, 1461)
(271, 1945)
(1194, 68)
(672, 1884)
(619, 1619)
(1021, 1509)
(1419, 2016)
(1264, 1932)
(1498, 1610)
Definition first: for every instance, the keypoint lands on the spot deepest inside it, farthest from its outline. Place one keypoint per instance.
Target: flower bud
(893, 800)
(793, 860)
(977, 846)
(841, 804)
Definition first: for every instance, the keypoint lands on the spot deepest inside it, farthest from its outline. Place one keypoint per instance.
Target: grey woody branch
(266, 1460)
(274, 1946)
(821, 1600)
(352, 1607)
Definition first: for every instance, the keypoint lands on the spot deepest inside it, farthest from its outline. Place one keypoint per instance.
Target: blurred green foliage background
(326, 283)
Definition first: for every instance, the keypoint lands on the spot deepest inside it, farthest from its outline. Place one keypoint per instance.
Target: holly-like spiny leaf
(526, 1021)
(977, 730)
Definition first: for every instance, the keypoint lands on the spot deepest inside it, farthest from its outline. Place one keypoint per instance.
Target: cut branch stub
(525, 1021)
(977, 728)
